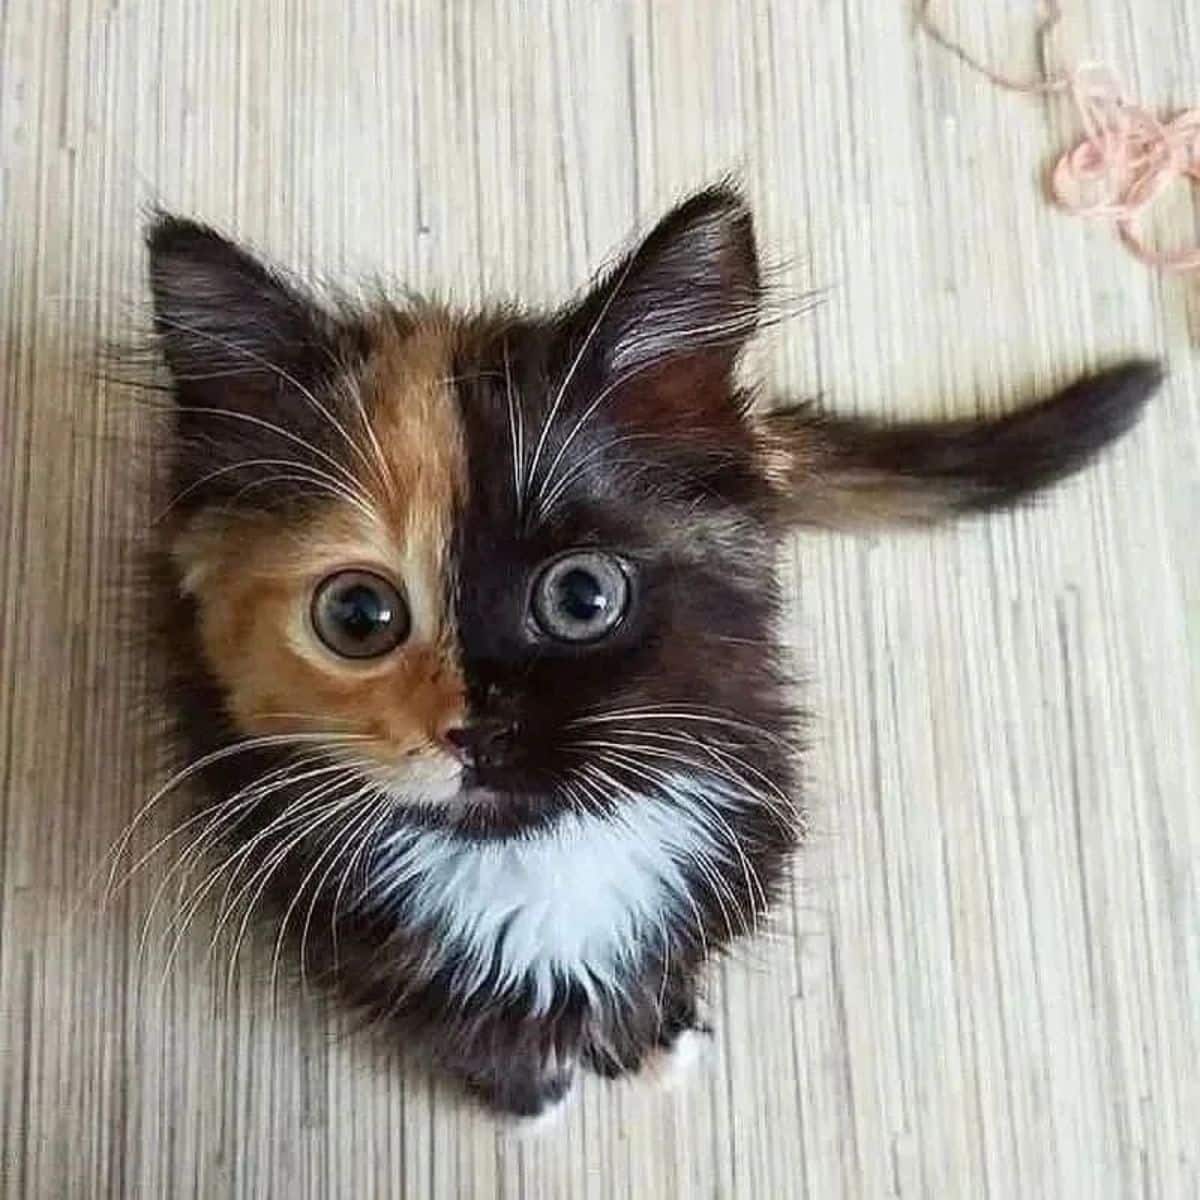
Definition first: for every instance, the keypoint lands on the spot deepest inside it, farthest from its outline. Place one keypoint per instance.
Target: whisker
(286, 376)
(366, 847)
(349, 846)
(348, 803)
(267, 872)
(317, 474)
(548, 499)
(604, 394)
(207, 811)
(292, 810)
(556, 404)
(699, 859)
(618, 756)
(259, 742)
(207, 837)
(516, 432)
(678, 712)
(383, 467)
(293, 814)
(723, 754)
(287, 477)
(287, 435)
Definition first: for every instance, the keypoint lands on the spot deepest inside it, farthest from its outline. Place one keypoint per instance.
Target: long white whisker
(349, 803)
(378, 808)
(549, 498)
(604, 394)
(247, 744)
(287, 435)
(288, 477)
(253, 356)
(719, 891)
(219, 808)
(618, 756)
(245, 464)
(516, 434)
(366, 845)
(676, 712)
(194, 851)
(556, 404)
(383, 467)
(296, 812)
(735, 767)
(266, 873)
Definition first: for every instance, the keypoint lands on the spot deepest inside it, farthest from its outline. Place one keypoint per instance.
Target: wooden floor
(988, 981)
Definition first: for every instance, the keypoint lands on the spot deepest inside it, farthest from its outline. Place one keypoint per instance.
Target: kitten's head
(499, 566)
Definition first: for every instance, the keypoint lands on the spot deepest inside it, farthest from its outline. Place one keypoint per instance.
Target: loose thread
(1127, 157)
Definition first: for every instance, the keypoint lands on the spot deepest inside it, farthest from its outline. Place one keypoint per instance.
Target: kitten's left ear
(250, 355)
(234, 332)
(687, 299)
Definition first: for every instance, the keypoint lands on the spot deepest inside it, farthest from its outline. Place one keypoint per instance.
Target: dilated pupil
(580, 596)
(359, 611)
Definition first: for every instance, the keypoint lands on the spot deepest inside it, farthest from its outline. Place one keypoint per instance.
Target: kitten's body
(520, 823)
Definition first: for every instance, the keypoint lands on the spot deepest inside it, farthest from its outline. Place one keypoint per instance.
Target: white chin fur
(673, 1068)
(578, 901)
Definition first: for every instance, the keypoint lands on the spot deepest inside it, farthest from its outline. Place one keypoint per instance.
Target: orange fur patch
(254, 576)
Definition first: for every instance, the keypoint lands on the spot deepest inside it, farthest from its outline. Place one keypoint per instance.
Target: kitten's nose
(487, 742)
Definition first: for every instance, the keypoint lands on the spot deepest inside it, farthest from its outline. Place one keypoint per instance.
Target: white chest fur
(575, 902)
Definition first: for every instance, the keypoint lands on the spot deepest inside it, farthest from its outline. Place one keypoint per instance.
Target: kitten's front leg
(527, 1085)
(661, 1035)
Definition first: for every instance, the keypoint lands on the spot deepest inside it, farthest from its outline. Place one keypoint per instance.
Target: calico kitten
(476, 626)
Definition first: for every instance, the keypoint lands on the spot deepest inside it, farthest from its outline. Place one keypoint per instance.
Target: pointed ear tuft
(691, 288)
(250, 355)
(230, 327)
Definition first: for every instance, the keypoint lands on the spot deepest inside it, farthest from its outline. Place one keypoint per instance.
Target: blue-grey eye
(359, 614)
(581, 596)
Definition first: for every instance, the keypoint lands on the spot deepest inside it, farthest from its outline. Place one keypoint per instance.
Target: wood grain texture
(988, 982)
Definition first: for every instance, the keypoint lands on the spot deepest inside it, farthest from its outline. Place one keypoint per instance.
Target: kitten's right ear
(234, 332)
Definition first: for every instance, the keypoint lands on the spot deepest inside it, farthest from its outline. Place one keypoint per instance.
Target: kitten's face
(499, 562)
(475, 638)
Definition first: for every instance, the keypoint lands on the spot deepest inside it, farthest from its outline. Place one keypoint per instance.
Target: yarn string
(1127, 157)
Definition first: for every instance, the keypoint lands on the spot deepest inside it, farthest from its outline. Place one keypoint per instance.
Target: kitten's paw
(673, 1065)
(527, 1103)
(532, 1126)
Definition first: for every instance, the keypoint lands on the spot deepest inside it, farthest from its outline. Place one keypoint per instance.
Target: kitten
(476, 626)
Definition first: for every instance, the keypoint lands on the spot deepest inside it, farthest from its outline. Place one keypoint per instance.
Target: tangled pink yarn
(1127, 158)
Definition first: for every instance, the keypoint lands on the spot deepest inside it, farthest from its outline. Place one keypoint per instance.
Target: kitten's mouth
(416, 784)
(456, 791)
(472, 808)
(477, 804)
(456, 797)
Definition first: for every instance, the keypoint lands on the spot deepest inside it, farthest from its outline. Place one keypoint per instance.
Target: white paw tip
(673, 1067)
(531, 1128)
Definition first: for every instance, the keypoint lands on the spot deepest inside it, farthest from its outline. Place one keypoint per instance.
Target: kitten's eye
(581, 596)
(358, 614)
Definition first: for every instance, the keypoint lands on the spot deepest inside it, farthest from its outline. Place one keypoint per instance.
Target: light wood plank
(988, 982)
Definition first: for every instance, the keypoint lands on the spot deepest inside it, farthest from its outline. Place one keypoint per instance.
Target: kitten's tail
(846, 472)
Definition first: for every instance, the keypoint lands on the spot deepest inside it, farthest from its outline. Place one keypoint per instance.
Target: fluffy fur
(520, 849)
